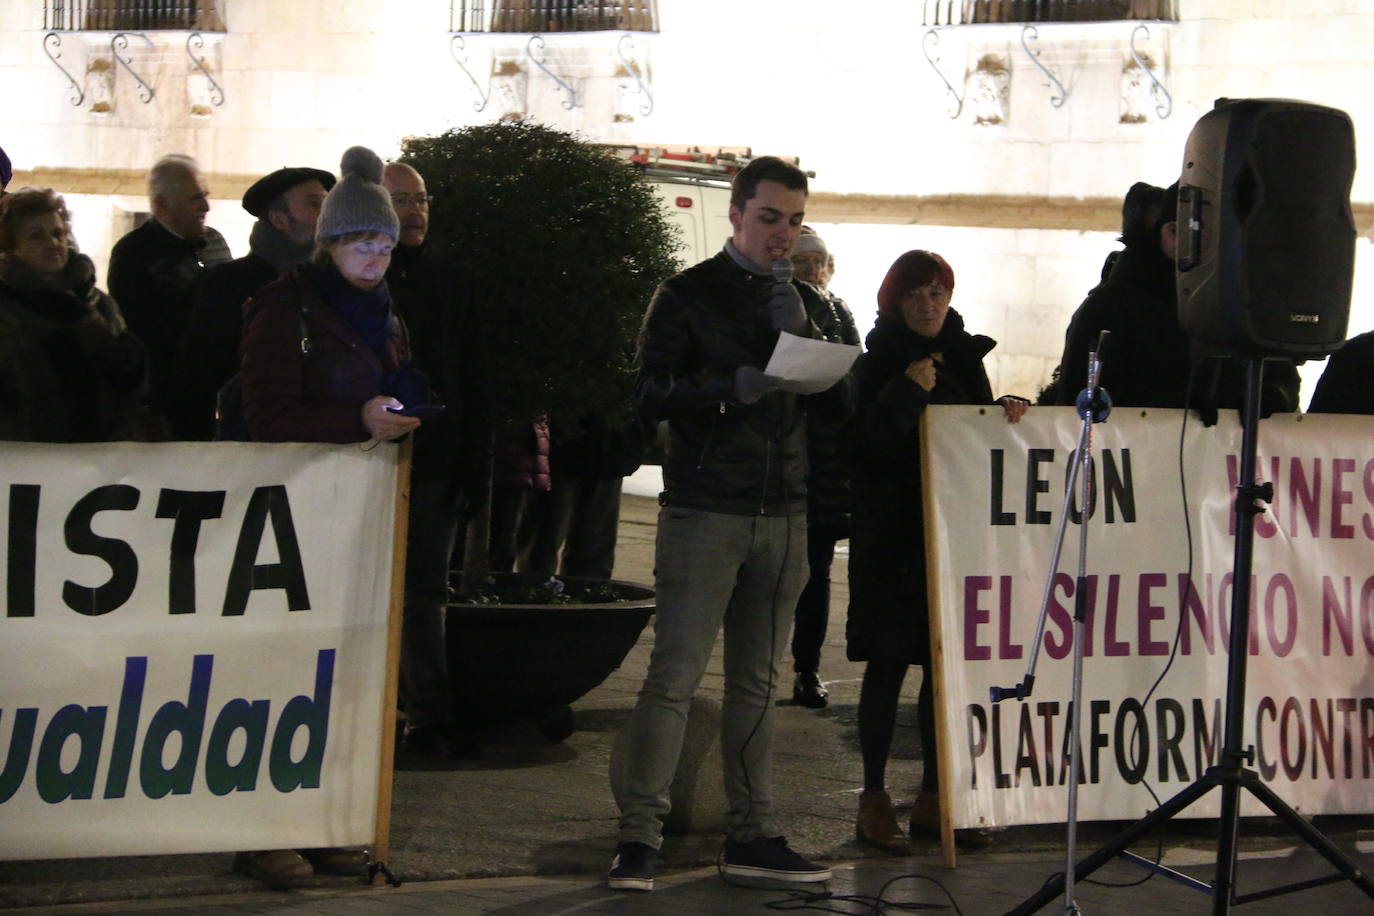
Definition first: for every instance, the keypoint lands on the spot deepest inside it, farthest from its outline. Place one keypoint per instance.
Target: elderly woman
(324, 357)
(918, 354)
(70, 371)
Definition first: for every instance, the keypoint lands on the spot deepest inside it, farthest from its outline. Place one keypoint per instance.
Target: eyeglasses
(407, 200)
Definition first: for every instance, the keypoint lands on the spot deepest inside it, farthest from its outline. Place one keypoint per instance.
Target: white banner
(192, 646)
(994, 493)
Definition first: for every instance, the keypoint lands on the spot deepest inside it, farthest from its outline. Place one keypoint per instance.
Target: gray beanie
(358, 203)
(809, 241)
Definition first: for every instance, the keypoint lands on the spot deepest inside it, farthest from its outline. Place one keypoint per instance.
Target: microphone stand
(1230, 775)
(1094, 405)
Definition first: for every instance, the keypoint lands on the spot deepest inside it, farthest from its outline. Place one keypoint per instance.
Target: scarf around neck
(273, 246)
(745, 261)
(367, 311)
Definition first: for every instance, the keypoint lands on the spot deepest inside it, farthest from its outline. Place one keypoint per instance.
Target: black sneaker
(632, 869)
(808, 691)
(770, 857)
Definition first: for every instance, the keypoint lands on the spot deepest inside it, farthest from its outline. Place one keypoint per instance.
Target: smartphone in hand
(419, 411)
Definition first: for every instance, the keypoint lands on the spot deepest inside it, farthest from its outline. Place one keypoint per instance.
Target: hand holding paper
(807, 366)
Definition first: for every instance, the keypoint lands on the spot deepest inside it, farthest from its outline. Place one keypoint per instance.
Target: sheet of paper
(809, 366)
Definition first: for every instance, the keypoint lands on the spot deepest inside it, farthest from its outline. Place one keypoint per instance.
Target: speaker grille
(1295, 220)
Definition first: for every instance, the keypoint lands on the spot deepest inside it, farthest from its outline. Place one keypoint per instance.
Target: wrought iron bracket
(1165, 108)
(571, 101)
(458, 48)
(628, 60)
(195, 38)
(928, 45)
(1031, 33)
(55, 40)
(118, 43)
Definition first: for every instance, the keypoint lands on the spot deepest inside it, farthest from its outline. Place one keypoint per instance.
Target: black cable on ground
(876, 904)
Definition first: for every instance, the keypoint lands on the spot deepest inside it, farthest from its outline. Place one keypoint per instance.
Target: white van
(699, 207)
(695, 189)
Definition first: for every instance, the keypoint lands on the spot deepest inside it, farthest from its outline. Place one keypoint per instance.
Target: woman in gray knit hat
(324, 356)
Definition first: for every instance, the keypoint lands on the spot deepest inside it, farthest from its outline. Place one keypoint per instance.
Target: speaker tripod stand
(1230, 775)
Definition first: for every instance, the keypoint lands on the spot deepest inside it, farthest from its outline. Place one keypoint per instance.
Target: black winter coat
(437, 311)
(723, 456)
(153, 275)
(887, 564)
(209, 354)
(1347, 383)
(1148, 356)
(70, 371)
(827, 435)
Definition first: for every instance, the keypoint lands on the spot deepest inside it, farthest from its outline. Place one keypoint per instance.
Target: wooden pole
(937, 649)
(381, 845)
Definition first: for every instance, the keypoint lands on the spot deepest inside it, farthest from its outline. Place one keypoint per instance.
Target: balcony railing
(968, 12)
(132, 15)
(547, 16)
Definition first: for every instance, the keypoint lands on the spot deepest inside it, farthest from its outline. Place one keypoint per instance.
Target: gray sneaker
(632, 869)
(770, 857)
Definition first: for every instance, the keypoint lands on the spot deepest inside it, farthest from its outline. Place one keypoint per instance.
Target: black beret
(269, 187)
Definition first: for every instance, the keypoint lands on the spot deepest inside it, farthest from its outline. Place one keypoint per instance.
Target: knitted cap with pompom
(358, 203)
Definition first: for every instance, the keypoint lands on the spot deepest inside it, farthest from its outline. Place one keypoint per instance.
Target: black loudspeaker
(1266, 237)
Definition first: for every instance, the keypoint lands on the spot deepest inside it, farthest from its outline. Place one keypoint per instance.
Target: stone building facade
(1006, 145)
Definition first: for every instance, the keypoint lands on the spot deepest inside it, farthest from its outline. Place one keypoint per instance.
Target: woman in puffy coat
(324, 357)
(70, 371)
(918, 353)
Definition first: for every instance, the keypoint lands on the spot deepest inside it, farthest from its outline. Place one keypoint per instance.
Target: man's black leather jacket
(724, 456)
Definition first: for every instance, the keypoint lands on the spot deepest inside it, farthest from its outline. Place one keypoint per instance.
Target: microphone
(787, 312)
(1094, 399)
(782, 270)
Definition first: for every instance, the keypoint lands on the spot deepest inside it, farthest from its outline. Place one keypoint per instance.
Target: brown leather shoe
(279, 869)
(877, 824)
(925, 822)
(335, 860)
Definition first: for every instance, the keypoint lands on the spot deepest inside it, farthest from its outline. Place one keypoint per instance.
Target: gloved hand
(788, 313)
(751, 384)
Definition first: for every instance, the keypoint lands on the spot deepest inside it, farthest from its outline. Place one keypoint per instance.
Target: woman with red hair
(918, 353)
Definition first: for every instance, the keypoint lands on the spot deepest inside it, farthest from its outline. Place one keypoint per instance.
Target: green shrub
(559, 247)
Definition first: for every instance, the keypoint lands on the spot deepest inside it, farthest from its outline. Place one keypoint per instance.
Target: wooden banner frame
(948, 851)
(381, 843)
(377, 838)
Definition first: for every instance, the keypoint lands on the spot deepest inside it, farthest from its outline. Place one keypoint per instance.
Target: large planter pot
(518, 661)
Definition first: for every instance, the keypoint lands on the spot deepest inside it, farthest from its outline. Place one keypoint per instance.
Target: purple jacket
(315, 396)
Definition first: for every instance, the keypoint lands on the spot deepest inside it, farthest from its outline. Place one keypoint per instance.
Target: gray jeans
(710, 568)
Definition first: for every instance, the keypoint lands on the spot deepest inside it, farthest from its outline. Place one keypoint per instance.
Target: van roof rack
(720, 163)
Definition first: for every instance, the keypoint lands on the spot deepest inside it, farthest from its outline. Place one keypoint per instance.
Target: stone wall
(846, 86)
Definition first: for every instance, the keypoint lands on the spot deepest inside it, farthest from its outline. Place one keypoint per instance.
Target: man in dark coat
(732, 531)
(1150, 361)
(154, 270)
(286, 204)
(1347, 382)
(444, 461)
